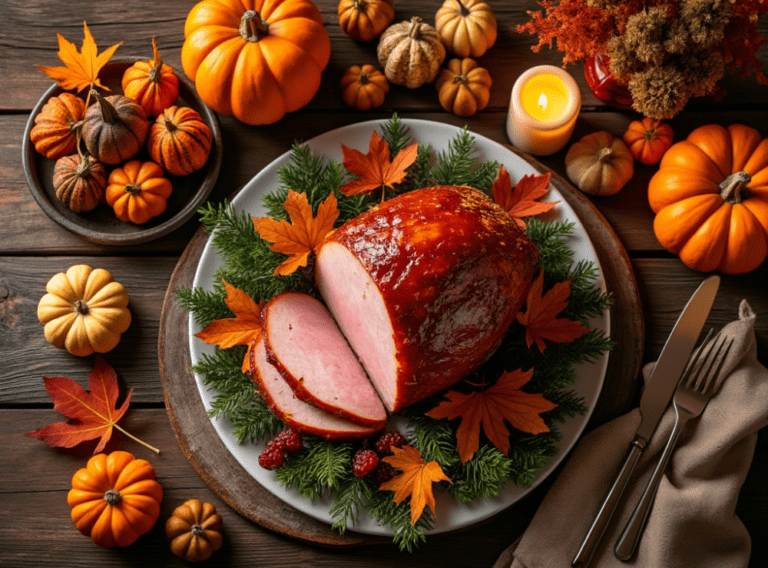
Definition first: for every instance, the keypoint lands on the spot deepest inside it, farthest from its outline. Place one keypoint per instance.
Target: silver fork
(691, 396)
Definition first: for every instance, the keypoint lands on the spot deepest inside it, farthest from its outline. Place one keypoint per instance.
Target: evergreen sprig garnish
(324, 468)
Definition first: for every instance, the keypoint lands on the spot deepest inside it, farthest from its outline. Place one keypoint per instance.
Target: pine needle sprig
(458, 165)
(204, 305)
(236, 397)
(482, 477)
(396, 135)
(321, 467)
(382, 507)
(351, 498)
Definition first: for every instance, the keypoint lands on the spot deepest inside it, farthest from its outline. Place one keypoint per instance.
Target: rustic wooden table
(34, 478)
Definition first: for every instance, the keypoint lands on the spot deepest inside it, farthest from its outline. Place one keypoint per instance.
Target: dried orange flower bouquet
(664, 51)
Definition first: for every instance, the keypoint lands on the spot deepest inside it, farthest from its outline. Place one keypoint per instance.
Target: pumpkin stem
(252, 27)
(463, 10)
(197, 530)
(84, 168)
(132, 188)
(81, 307)
(363, 78)
(415, 31)
(733, 189)
(649, 135)
(154, 73)
(108, 113)
(112, 496)
(459, 79)
(603, 154)
(170, 125)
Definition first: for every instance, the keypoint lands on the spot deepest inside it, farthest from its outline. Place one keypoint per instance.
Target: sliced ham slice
(425, 286)
(282, 402)
(304, 344)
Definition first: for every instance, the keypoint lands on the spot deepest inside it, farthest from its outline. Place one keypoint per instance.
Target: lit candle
(543, 109)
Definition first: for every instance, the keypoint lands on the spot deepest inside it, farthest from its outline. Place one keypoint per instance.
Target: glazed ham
(306, 347)
(299, 415)
(424, 287)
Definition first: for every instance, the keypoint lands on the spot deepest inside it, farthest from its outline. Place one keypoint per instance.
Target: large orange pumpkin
(710, 197)
(255, 59)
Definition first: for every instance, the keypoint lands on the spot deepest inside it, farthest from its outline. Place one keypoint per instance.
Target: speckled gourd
(411, 53)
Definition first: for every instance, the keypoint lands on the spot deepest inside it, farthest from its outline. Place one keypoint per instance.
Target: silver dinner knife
(655, 400)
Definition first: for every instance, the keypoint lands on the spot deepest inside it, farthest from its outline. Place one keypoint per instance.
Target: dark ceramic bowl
(101, 225)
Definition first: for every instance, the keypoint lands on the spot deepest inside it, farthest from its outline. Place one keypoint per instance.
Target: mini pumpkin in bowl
(100, 225)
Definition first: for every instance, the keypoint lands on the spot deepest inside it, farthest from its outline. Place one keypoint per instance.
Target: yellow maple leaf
(415, 481)
(82, 68)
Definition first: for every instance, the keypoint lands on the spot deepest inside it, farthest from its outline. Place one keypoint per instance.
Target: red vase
(603, 84)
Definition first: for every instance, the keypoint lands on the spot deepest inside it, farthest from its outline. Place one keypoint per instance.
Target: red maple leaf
(521, 201)
(539, 319)
(489, 408)
(374, 169)
(93, 413)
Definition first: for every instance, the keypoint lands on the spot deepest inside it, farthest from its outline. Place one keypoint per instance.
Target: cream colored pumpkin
(410, 53)
(599, 164)
(84, 311)
(467, 28)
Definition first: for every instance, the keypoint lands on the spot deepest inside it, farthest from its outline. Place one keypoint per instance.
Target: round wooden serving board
(219, 469)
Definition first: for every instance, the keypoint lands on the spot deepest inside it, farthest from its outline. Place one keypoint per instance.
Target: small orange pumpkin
(55, 132)
(364, 20)
(152, 84)
(464, 88)
(364, 87)
(648, 139)
(195, 531)
(79, 182)
(115, 499)
(710, 197)
(138, 191)
(258, 59)
(180, 141)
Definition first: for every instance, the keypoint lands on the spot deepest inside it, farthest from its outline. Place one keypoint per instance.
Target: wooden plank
(34, 477)
(27, 354)
(27, 230)
(134, 22)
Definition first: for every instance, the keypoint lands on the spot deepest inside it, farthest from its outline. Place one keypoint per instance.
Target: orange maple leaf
(539, 319)
(93, 413)
(415, 481)
(521, 201)
(302, 235)
(490, 407)
(242, 329)
(374, 169)
(82, 68)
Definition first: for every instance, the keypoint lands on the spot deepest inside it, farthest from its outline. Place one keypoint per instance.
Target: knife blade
(654, 402)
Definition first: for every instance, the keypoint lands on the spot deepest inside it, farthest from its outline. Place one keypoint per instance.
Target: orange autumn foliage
(539, 318)
(521, 201)
(489, 408)
(303, 234)
(415, 481)
(374, 169)
(243, 329)
(81, 68)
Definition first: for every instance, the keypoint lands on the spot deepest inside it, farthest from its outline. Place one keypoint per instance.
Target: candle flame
(543, 101)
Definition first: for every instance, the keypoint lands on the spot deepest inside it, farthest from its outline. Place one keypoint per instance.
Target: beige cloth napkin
(692, 523)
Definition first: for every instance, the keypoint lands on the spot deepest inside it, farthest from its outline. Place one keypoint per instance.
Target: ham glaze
(295, 413)
(424, 287)
(306, 347)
